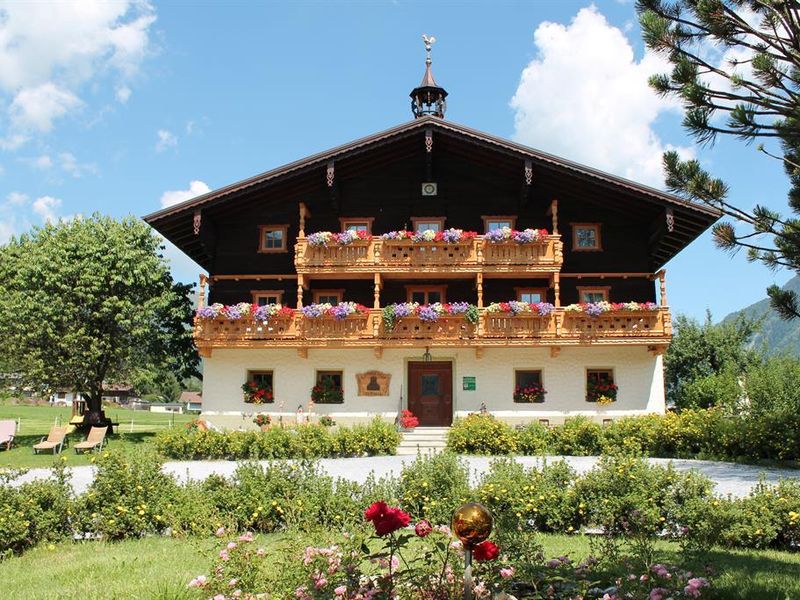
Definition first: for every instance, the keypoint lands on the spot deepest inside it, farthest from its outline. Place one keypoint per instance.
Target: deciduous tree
(92, 301)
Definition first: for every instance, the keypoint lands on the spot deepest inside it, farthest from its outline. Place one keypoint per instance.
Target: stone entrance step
(423, 440)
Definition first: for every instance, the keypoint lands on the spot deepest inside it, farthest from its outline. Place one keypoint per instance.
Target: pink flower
(198, 581)
(231, 545)
(233, 582)
(659, 593)
(220, 532)
(247, 537)
(223, 554)
(260, 552)
(219, 597)
(236, 594)
(422, 528)
(507, 572)
(321, 582)
(340, 591)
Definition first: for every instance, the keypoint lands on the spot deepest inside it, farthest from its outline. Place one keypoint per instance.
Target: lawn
(159, 568)
(136, 428)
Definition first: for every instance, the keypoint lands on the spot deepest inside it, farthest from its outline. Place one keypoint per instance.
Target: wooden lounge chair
(8, 429)
(54, 441)
(94, 441)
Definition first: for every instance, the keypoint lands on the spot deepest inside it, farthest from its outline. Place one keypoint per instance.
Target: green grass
(160, 568)
(136, 428)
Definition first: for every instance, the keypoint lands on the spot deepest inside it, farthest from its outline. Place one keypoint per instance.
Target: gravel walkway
(733, 479)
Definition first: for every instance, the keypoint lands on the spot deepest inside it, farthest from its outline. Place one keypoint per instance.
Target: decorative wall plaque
(373, 383)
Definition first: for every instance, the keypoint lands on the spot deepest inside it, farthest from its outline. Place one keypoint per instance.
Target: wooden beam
(279, 277)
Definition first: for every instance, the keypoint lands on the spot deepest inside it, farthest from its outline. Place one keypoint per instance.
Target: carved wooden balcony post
(554, 212)
(303, 214)
(557, 289)
(299, 292)
(201, 294)
(662, 277)
(479, 285)
(376, 304)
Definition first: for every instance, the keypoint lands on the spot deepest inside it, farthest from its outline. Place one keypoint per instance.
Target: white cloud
(36, 108)
(45, 207)
(70, 164)
(586, 97)
(12, 142)
(49, 50)
(166, 139)
(196, 188)
(123, 94)
(17, 199)
(43, 162)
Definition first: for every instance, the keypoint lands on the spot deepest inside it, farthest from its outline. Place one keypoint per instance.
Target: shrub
(533, 438)
(481, 434)
(578, 436)
(34, 512)
(432, 486)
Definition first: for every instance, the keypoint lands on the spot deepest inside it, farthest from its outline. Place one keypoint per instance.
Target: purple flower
(207, 312)
(517, 307)
(312, 311)
(593, 309)
(428, 313)
(459, 308)
(340, 311)
(232, 312)
(525, 236)
(495, 235)
(451, 236)
(404, 309)
(319, 239)
(544, 308)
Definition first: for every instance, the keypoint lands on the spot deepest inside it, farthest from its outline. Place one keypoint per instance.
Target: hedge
(699, 433)
(304, 441)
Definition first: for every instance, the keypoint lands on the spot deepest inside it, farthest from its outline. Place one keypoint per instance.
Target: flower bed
(428, 312)
(516, 307)
(595, 309)
(448, 236)
(245, 310)
(529, 394)
(327, 392)
(257, 393)
(339, 311)
(506, 234)
(602, 393)
(327, 238)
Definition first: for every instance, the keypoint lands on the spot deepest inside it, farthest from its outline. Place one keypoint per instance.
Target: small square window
(261, 390)
(264, 297)
(532, 295)
(586, 236)
(273, 238)
(425, 223)
(332, 297)
(357, 224)
(426, 294)
(492, 223)
(592, 294)
(599, 385)
(528, 387)
(329, 388)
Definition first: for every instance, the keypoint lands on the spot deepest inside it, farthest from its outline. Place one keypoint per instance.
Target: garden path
(734, 479)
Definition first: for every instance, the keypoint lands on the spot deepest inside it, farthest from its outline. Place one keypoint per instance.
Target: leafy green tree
(92, 301)
(754, 96)
(700, 351)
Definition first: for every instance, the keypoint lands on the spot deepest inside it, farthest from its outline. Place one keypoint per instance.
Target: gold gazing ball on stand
(472, 524)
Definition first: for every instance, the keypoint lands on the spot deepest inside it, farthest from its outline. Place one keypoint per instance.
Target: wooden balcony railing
(398, 256)
(493, 329)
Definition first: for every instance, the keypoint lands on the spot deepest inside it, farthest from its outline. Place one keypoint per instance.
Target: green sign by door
(469, 384)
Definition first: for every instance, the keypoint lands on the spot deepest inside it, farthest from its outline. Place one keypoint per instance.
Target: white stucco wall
(637, 372)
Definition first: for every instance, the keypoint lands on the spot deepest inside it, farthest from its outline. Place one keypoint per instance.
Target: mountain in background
(776, 335)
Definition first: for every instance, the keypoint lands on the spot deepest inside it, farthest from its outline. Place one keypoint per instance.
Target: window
(273, 238)
(357, 224)
(586, 236)
(528, 387)
(262, 378)
(600, 384)
(262, 297)
(426, 294)
(329, 388)
(492, 223)
(423, 223)
(593, 294)
(332, 297)
(531, 295)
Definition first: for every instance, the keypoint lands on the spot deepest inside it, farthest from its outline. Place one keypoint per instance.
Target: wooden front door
(430, 393)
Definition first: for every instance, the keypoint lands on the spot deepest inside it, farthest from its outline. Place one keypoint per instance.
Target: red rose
(486, 551)
(422, 528)
(385, 518)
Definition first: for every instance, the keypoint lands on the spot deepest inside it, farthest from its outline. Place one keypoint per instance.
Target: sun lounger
(53, 441)
(94, 441)
(8, 429)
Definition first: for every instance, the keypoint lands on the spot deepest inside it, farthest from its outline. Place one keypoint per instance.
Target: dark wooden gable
(477, 174)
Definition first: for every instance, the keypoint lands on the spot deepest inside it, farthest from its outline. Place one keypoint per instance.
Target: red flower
(486, 551)
(385, 518)
(422, 528)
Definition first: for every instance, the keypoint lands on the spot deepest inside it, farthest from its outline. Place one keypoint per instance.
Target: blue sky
(119, 107)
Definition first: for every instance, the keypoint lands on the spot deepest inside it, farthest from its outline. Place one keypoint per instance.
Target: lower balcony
(490, 329)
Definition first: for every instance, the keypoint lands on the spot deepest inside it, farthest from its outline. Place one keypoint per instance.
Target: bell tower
(428, 98)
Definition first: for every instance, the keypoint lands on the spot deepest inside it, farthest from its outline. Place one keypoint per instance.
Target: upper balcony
(477, 255)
